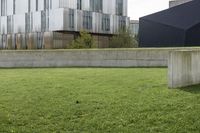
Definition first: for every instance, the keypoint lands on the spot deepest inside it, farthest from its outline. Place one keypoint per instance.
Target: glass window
(29, 5)
(79, 4)
(105, 22)
(71, 18)
(14, 5)
(122, 22)
(3, 7)
(50, 4)
(46, 4)
(96, 5)
(119, 7)
(87, 20)
(28, 18)
(9, 24)
(36, 5)
(134, 28)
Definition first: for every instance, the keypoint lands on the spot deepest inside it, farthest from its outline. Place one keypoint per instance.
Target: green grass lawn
(95, 100)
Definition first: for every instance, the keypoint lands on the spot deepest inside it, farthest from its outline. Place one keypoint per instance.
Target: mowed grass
(95, 100)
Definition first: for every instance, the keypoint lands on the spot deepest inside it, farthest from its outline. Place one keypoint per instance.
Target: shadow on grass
(192, 89)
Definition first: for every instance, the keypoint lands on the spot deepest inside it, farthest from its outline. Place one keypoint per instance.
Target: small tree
(85, 40)
(123, 39)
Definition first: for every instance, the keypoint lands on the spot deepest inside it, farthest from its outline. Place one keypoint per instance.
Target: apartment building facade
(48, 24)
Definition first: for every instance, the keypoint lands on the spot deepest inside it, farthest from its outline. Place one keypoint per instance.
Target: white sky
(139, 8)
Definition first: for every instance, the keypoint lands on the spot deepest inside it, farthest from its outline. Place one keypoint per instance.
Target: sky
(139, 8)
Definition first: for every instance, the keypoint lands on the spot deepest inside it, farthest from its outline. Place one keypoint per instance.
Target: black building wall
(193, 36)
(153, 34)
(174, 27)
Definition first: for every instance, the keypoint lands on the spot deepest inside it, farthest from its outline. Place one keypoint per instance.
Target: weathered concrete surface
(147, 57)
(183, 68)
(85, 58)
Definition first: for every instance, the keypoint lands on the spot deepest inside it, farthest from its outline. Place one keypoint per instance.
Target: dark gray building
(174, 27)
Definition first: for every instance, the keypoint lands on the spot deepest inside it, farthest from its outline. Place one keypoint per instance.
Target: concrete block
(183, 68)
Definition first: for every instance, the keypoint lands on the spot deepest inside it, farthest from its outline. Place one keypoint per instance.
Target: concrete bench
(183, 68)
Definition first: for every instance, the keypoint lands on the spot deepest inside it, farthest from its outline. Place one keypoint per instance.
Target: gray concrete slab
(183, 68)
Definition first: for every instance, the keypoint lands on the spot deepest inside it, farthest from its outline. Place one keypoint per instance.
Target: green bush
(123, 39)
(85, 40)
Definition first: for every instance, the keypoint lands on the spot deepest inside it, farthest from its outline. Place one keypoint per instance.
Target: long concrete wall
(85, 58)
(183, 68)
(146, 57)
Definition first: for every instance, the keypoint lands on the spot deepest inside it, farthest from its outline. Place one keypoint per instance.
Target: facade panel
(58, 24)
(21, 6)
(32, 23)
(4, 25)
(0, 10)
(97, 17)
(36, 21)
(19, 23)
(40, 5)
(32, 5)
(10, 24)
(9, 7)
(109, 6)
(86, 5)
(3, 8)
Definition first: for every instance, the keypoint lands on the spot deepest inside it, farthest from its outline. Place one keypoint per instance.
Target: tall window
(3, 7)
(9, 24)
(79, 4)
(28, 25)
(122, 22)
(29, 5)
(87, 20)
(44, 20)
(14, 5)
(46, 4)
(105, 22)
(96, 5)
(119, 7)
(36, 5)
(50, 4)
(71, 18)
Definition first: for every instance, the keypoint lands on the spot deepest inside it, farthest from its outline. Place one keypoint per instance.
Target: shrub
(85, 40)
(123, 39)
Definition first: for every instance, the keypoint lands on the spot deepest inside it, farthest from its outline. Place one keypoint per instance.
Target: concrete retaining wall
(150, 57)
(85, 58)
(183, 68)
